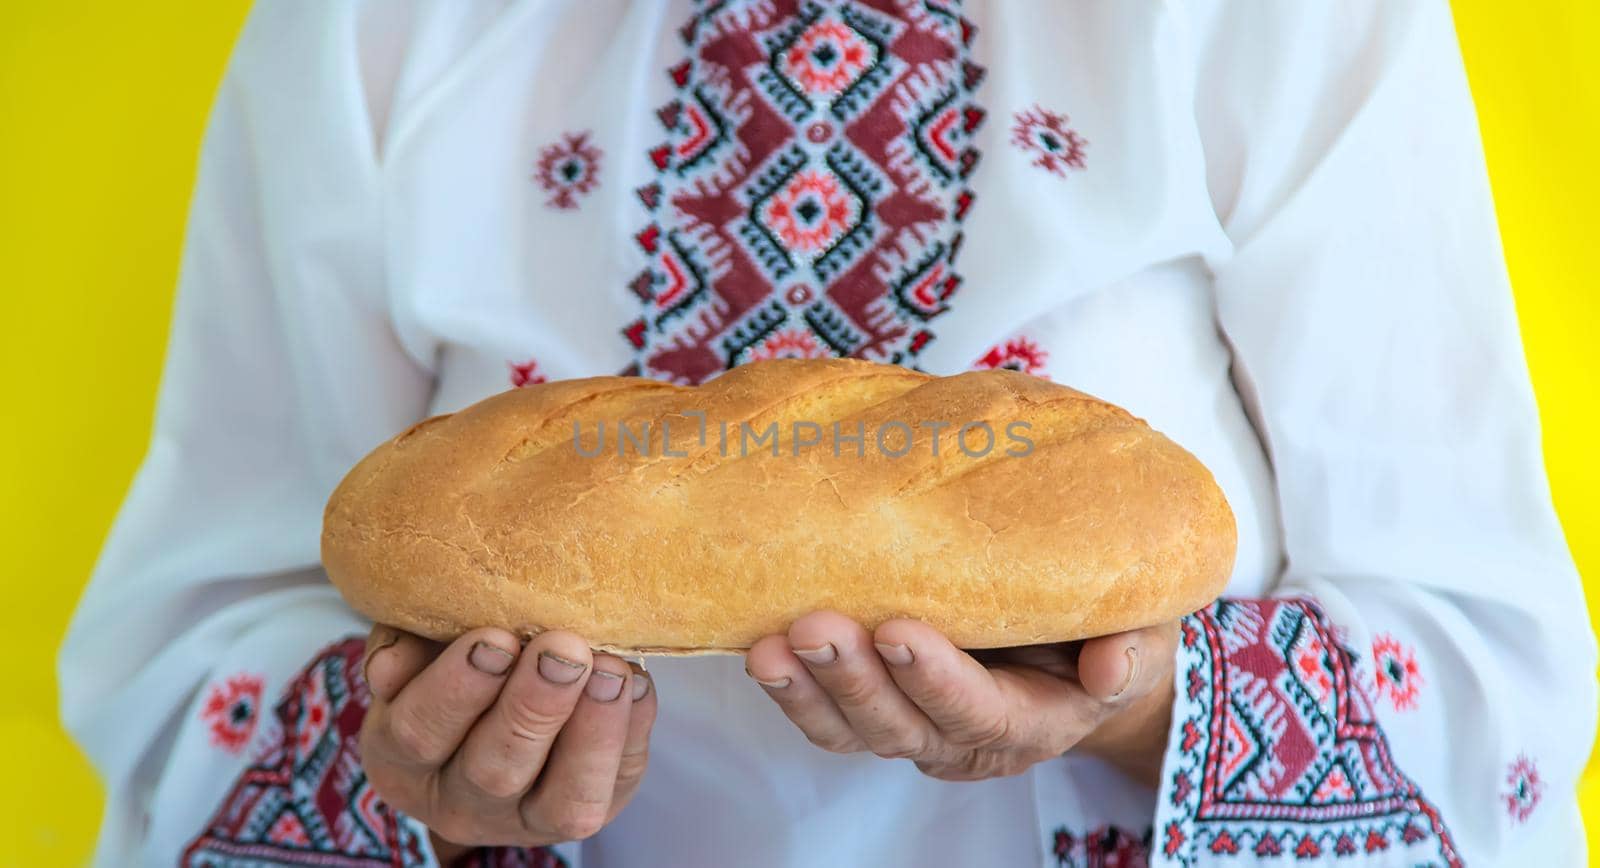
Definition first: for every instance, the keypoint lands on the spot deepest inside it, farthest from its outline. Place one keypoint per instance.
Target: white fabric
(1282, 252)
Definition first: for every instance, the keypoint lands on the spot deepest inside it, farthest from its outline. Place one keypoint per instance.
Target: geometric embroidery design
(1016, 354)
(525, 373)
(568, 170)
(231, 710)
(1045, 134)
(1105, 847)
(1525, 789)
(1398, 676)
(305, 799)
(810, 191)
(1279, 751)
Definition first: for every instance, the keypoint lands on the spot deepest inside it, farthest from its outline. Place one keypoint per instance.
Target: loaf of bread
(660, 519)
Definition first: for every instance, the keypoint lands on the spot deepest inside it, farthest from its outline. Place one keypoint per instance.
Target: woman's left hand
(904, 691)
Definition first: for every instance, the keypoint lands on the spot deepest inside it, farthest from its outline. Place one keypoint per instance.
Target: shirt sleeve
(1421, 687)
(184, 674)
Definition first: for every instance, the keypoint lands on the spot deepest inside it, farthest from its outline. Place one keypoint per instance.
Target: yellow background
(101, 109)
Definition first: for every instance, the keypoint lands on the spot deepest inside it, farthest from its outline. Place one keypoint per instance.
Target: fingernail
(558, 670)
(641, 681)
(775, 685)
(489, 659)
(387, 642)
(894, 655)
(819, 656)
(603, 686)
(1133, 672)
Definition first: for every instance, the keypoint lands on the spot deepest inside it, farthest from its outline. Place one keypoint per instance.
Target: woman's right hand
(490, 743)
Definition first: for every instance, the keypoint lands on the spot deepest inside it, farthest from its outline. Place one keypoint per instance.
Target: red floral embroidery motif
(1017, 354)
(1309, 659)
(231, 709)
(810, 190)
(314, 714)
(568, 170)
(525, 373)
(789, 344)
(1398, 678)
(811, 212)
(1105, 847)
(1526, 789)
(827, 58)
(1045, 134)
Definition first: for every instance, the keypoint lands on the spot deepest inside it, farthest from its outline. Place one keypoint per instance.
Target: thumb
(392, 659)
(1125, 666)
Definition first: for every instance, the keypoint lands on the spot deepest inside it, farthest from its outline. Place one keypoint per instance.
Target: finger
(572, 798)
(393, 658)
(431, 715)
(381, 636)
(636, 744)
(840, 656)
(1126, 666)
(787, 680)
(504, 751)
(951, 688)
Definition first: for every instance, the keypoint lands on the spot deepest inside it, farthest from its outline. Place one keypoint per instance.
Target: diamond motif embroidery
(795, 343)
(827, 58)
(1280, 750)
(811, 187)
(810, 212)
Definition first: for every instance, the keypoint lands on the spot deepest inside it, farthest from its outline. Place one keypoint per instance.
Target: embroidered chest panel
(810, 188)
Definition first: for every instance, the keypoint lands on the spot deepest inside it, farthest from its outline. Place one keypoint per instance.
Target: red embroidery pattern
(811, 187)
(1279, 750)
(1105, 847)
(1398, 678)
(569, 170)
(1526, 789)
(510, 857)
(525, 373)
(1018, 354)
(1045, 134)
(231, 710)
(305, 800)
(795, 343)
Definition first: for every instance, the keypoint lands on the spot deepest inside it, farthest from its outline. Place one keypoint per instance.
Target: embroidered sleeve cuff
(1275, 752)
(304, 799)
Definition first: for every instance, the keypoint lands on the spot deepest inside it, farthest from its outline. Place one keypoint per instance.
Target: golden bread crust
(491, 516)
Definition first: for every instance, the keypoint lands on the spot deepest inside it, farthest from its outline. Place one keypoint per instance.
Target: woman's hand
(492, 744)
(905, 691)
